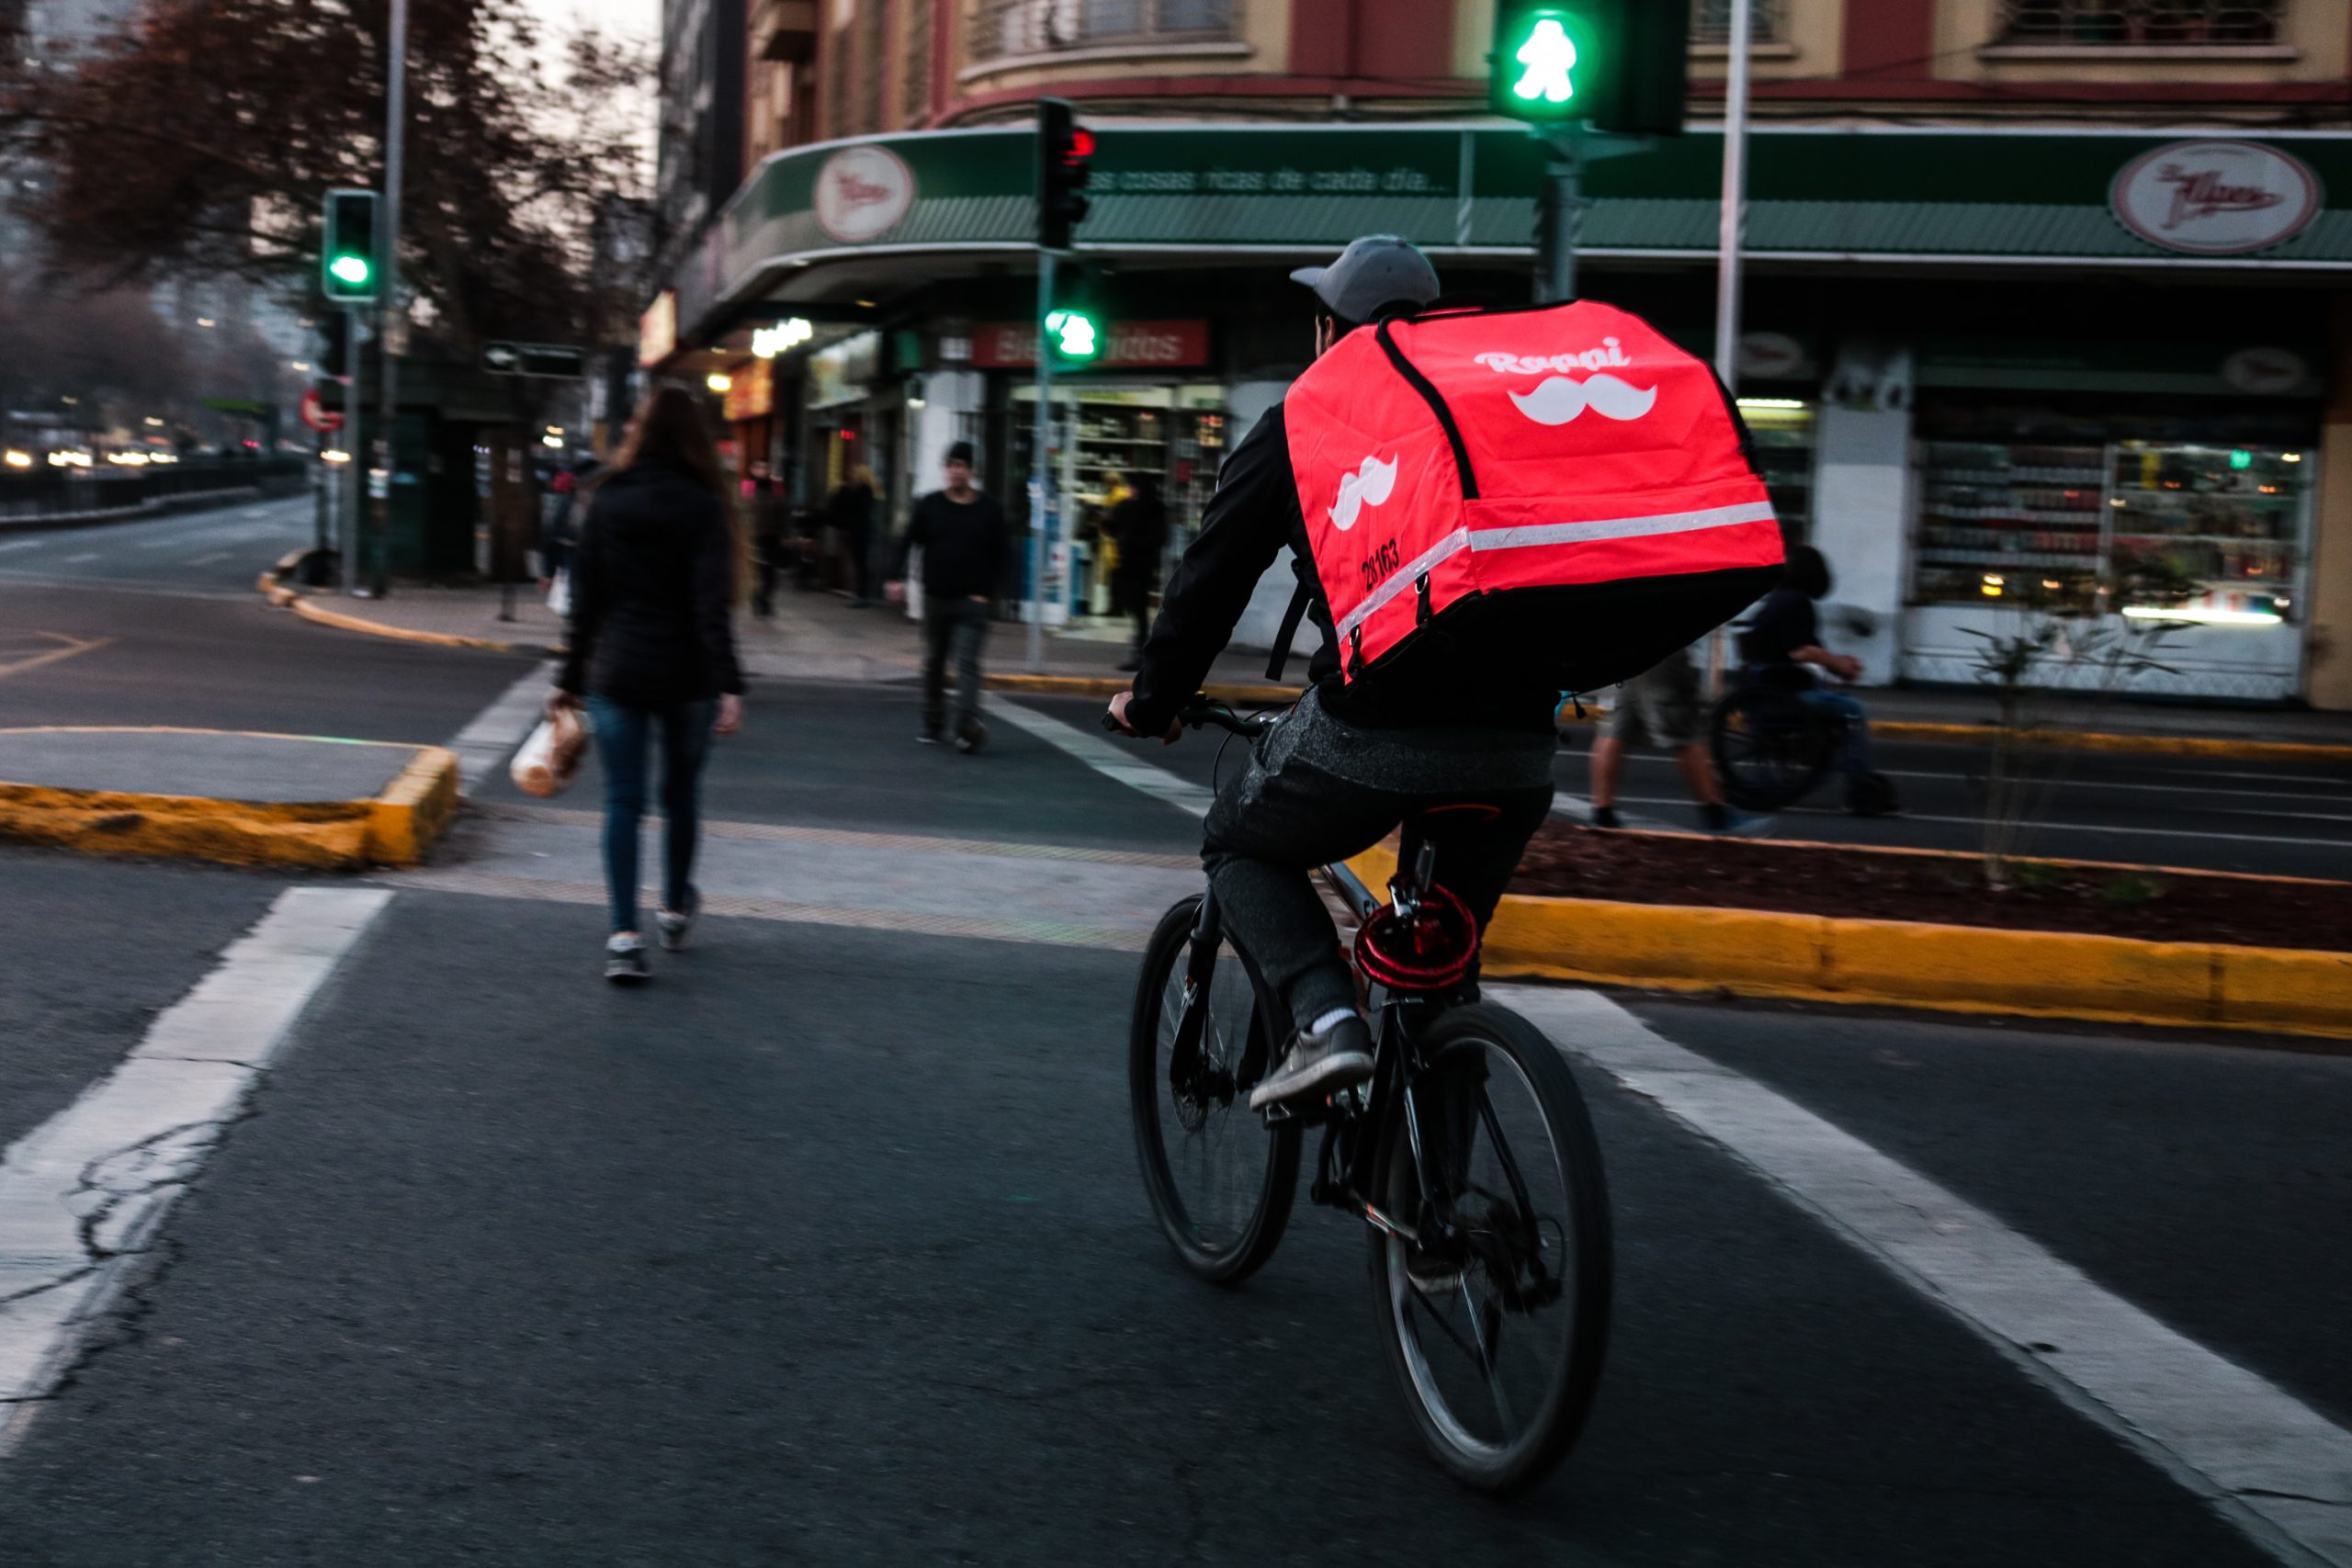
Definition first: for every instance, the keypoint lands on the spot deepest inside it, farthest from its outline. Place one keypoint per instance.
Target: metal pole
(1560, 216)
(346, 523)
(1733, 221)
(387, 251)
(1044, 448)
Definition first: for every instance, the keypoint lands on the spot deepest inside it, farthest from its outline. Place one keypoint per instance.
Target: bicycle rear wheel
(1496, 1333)
(1220, 1182)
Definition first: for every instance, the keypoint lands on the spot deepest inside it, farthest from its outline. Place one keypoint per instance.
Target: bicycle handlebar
(1202, 713)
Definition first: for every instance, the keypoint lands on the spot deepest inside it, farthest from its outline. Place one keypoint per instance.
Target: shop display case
(1782, 430)
(2009, 520)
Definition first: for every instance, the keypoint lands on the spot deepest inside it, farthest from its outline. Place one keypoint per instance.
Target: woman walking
(654, 582)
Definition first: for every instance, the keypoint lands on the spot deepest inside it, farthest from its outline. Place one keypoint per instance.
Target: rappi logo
(1560, 397)
(1370, 485)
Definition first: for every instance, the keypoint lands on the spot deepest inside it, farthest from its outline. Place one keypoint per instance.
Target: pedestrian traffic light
(348, 270)
(1064, 156)
(1621, 65)
(1073, 337)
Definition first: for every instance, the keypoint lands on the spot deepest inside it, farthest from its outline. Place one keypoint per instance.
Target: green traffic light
(1075, 337)
(350, 269)
(1548, 54)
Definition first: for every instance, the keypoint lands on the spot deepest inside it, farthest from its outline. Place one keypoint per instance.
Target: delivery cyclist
(1351, 761)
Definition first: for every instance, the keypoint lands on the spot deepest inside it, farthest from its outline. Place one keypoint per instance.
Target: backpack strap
(1300, 597)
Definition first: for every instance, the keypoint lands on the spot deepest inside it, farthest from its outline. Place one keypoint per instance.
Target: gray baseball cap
(1374, 271)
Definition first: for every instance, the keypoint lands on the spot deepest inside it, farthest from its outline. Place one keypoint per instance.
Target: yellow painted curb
(393, 827)
(2096, 740)
(309, 610)
(1760, 952)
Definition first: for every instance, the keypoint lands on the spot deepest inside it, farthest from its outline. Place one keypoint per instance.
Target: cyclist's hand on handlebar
(1116, 719)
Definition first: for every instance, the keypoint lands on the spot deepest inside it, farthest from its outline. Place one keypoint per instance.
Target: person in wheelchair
(1781, 649)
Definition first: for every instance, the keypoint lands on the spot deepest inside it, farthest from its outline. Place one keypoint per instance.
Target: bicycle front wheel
(1496, 1312)
(1220, 1182)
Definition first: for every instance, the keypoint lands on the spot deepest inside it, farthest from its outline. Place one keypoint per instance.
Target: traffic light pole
(387, 255)
(1044, 450)
(1559, 214)
(347, 542)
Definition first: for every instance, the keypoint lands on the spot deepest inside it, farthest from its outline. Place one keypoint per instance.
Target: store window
(2154, 517)
(1172, 436)
(1783, 431)
(1002, 28)
(2148, 23)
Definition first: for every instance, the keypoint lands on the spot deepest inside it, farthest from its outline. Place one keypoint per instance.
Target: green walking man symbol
(1548, 54)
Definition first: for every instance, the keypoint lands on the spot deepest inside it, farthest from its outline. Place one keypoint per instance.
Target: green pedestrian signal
(1545, 59)
(347, 248)
(1072, 335)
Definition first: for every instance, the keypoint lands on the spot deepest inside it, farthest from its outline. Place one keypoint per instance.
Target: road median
(233, 797)
(1757, 952)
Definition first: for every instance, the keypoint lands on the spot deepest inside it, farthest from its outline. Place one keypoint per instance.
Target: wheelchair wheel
(1770, 750)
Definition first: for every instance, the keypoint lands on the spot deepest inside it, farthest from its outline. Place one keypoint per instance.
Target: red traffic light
(1081, 145)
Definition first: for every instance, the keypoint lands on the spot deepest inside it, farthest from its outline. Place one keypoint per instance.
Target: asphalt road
(827, 1247)
(2222, 814)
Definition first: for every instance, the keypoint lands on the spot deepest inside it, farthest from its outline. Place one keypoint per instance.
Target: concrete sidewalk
(819, 637)
(229, 796)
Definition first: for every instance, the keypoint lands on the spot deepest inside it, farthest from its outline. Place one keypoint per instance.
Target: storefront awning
(1977, 197)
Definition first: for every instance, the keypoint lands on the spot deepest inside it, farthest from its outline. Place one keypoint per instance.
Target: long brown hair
(669, 429)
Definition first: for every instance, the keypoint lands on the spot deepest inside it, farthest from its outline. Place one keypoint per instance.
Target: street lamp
(718, 381)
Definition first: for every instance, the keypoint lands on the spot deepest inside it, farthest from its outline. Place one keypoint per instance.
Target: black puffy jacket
(652, 593)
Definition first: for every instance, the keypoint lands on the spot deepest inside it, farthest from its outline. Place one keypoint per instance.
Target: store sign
(2216, 198)
(2267, 373)
(1131, 345)
(657, 330)
(862, 192)
(751, 392)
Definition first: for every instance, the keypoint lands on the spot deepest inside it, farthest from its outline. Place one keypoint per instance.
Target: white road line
(77, 560)
(1111, 757)
(84, 1194)
(208, 559)
(486, 742)
(22, 545)
(2199, 835)
(2267, 1462)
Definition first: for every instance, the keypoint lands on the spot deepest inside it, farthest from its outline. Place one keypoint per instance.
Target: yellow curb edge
(1760, 952)
(393, 829)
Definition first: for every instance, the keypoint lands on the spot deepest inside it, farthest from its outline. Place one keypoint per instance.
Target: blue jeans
(622, 731)
(1856, 758)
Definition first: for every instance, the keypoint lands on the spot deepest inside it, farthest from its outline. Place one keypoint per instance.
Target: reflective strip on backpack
(1535, 533)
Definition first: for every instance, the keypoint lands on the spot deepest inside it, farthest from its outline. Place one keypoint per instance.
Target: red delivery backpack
(1560, 488)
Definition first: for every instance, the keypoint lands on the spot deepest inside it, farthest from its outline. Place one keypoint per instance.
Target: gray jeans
(955, 625)
(1317, 791)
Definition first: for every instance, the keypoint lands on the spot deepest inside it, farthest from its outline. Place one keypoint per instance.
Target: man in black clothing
(963, 543)
(1351, 761)
(1782, 640)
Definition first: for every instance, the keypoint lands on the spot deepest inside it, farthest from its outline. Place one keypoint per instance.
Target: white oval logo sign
(861, 192)
(2216, 198)
(2266, 372)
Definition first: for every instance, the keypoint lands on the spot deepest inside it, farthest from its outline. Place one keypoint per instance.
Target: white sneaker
(1317, 1063)
(625, 960)
(675, 924)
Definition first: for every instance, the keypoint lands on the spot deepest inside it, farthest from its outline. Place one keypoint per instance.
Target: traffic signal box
(348, 270)
(1065, 159)
(1620, 65)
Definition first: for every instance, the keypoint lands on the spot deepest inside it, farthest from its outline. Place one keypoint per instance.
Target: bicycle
(1446, 1209)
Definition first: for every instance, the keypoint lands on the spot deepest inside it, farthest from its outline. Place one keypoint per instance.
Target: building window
(2127, 23)
(1711, 22)
(1002, 28)
(915, 47)
(837, 83)
(873, 25)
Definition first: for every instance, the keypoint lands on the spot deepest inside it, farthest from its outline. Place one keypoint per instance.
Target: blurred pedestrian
(1139, 526)
(769, 542)
(559, 529)
(850, 511)
(1659, 706)
(654, 582)
(961, 533)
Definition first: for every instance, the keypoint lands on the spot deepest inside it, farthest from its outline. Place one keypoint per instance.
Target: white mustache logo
(1559, 399)
(1368, 486)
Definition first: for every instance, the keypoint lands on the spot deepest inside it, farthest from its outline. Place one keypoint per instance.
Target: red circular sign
(316, 417)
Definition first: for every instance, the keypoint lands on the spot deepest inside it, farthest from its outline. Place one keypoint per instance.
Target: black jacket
(1139, 523)
(1253, 515)
(963, 546)
(653, 590)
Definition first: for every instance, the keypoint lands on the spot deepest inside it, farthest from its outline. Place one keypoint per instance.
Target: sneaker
(971, 736)
(675, 923)
(1605, 816)
(1316, 1064)
(625, 960)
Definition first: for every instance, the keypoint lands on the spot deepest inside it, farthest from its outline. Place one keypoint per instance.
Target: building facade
(2047, 300)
